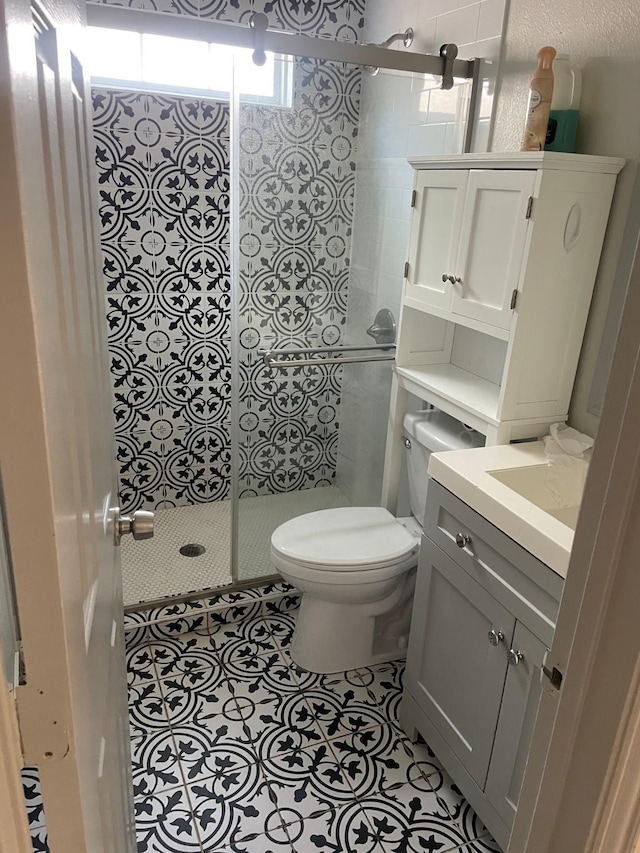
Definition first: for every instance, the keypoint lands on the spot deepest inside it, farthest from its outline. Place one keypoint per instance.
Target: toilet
(355, 566)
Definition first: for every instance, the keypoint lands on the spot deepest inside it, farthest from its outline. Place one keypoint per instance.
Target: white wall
(603, 40)
(400, 115)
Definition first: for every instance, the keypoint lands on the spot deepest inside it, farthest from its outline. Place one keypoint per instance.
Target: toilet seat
(344, 540)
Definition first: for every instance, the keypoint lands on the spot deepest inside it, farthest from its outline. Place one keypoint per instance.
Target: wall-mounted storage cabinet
(484, 615)
(503, 256)
(467, 243)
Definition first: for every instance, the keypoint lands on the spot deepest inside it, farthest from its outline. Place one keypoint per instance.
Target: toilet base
(331, 637)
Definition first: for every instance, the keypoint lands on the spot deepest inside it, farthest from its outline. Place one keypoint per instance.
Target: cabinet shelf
(470, 323)
(458, 387)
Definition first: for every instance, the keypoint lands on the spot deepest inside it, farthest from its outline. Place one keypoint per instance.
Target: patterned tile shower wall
(163, 172)
(297, 193)
(163, 175)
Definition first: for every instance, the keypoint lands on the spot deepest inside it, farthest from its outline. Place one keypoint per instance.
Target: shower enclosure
(272, 217)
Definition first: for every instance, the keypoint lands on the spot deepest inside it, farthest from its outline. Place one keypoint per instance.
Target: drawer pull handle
(462, 540)
(514, 656)
(495, 637)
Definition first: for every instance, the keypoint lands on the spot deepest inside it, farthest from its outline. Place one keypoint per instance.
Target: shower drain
(192, 550)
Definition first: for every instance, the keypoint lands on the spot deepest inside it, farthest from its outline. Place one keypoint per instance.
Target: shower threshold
(155, 569)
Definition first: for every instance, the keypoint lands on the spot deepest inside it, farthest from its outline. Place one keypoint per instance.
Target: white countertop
(466, 474)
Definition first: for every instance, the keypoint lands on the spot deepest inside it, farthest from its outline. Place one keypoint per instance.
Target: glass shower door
(324, 205)
(297, 188)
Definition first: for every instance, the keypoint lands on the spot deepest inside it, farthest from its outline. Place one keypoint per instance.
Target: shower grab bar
(269, 356)
(310, 362)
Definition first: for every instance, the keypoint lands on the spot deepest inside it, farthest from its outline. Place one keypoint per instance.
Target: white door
(56, 440)
(492, 244)
(435, 230)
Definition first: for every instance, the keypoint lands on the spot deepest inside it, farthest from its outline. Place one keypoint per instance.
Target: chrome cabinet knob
(139, 525)
(514, 656)
(445, 277)
(495, 637)
(462, 540)
(454, 279)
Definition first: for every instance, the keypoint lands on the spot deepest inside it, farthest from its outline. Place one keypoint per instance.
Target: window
(178, 66)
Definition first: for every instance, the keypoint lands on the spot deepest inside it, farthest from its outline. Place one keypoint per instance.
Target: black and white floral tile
(35, 809)
(164, 195)
(236, 750)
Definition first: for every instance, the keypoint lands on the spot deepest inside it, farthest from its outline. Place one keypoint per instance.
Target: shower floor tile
(155, 568)
(249, 759)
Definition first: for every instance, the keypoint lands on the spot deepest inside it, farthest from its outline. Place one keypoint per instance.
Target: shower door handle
(139, 524)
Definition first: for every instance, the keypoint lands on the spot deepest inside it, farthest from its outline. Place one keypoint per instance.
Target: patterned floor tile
(261, 679)
(236, 749)
(473, 828)
(344, 830)
(197, 698)
(411, 823)
(281, 627)
(182, 654)
(39, 839)
(146, 708)
(343, 708)
(384, 685)
(238, 803)
(154, 764)
(203, 754)
(282, 725)
(140, 669)
(251, 640)
(307, 782)
(239, 843)
(33, 797)
(165, 822)
(376, 759)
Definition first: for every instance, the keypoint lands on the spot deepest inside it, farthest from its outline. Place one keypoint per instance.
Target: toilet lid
(347, 537)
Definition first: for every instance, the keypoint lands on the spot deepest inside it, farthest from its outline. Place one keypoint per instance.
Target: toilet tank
(430, 432)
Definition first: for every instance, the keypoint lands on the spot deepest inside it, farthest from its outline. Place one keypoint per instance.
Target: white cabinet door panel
(492, 244)
(435, 231)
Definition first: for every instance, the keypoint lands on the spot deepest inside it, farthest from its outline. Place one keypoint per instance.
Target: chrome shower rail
(261, 39)
(270, 356)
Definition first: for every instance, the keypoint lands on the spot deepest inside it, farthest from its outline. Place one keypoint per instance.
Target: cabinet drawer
(525, 586)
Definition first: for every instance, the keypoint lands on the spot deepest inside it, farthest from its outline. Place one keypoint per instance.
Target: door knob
(139, 524)
(462, 540)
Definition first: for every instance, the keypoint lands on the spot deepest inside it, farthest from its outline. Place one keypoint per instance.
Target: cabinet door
(435, 229)
(492, 244)
(453, 672)
(515, 725)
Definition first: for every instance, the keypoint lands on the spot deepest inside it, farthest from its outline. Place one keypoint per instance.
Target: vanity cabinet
(484, 615)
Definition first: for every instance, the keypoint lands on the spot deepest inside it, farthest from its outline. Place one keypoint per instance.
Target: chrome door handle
(139, 524)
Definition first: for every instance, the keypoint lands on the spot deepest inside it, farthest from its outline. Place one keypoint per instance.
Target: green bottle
(563, 116)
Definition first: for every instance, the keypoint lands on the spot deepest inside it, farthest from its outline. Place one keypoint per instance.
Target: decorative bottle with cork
(535, 129)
